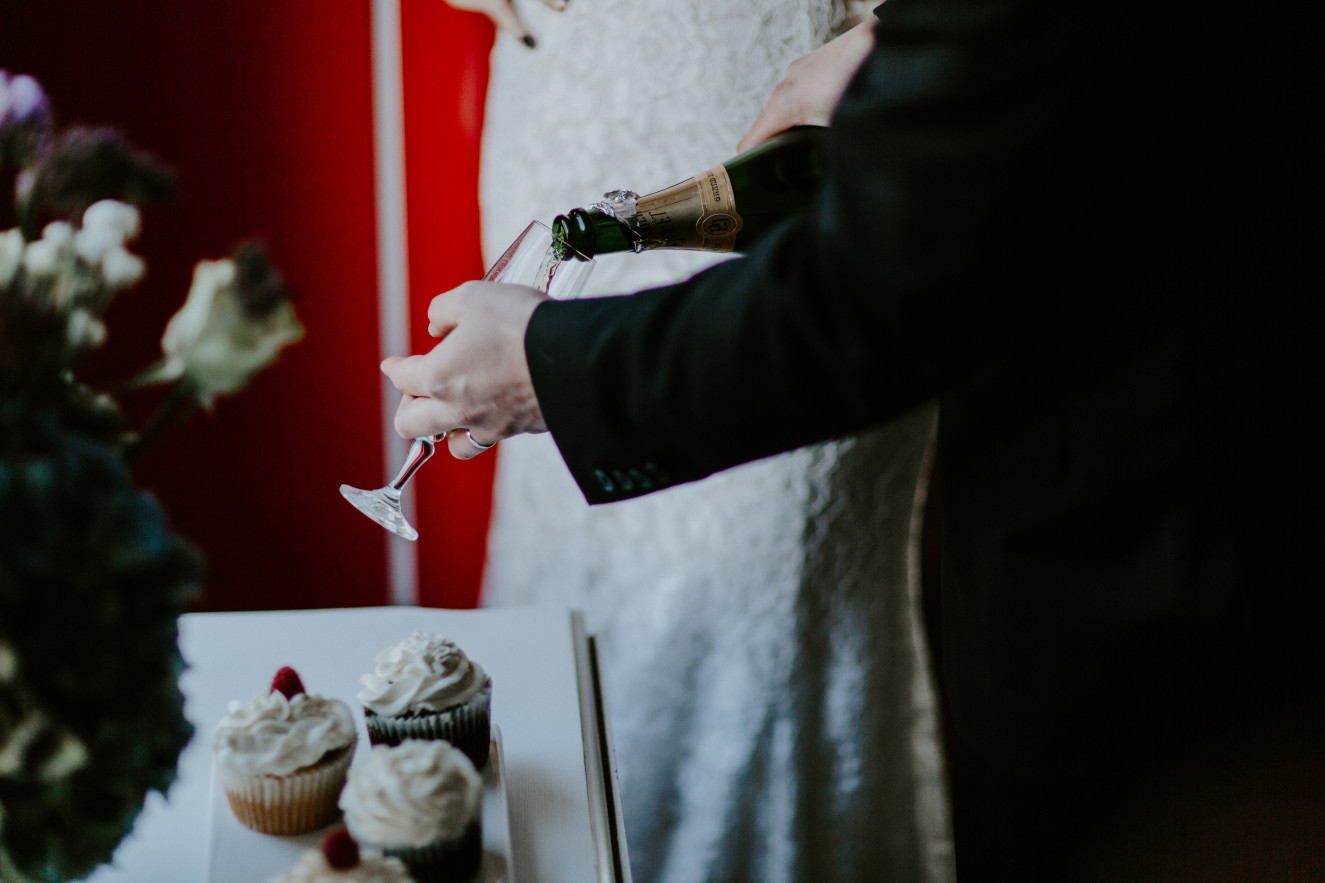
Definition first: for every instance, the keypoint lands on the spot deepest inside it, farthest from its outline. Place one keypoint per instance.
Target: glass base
(383, 507)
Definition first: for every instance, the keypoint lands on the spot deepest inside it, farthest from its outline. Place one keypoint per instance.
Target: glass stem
(419, 451)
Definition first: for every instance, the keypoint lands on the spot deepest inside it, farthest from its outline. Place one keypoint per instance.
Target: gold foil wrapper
(699, 213)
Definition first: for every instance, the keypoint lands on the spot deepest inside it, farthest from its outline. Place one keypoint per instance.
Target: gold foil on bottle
(699, 213)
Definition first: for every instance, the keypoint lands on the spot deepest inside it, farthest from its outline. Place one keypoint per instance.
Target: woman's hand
(476, 378)
(814, 83)
(503, 15)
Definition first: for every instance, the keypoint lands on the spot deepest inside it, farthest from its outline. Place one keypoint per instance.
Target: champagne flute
(537, 259)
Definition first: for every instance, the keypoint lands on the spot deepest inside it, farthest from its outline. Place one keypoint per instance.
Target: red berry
(340, 850)
(287, 681)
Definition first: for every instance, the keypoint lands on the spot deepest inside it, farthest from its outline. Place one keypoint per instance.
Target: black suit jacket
(1092, 231)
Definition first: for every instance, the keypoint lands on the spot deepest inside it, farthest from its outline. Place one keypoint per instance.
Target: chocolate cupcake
(425, 687)
(420, 802)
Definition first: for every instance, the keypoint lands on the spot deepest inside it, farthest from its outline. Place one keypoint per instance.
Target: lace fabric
(765, 669)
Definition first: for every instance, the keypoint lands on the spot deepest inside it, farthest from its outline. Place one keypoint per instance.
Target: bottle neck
(731, 203)
(591, 232)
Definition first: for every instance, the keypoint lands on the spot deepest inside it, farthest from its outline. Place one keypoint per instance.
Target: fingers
(418, 416)
(809, 92)
(419, 412)
(505, 18)
(409, 374)
(787, 106)
(459, 444)
(444, 309)
(766, 125)
(503, 15)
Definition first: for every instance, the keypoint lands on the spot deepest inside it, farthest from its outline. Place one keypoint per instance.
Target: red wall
(445, 79)
(264, 109)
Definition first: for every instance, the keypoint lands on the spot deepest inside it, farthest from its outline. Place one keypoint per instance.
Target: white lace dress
(769, 689)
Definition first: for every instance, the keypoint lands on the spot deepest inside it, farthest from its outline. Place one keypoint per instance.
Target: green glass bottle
(726, 208)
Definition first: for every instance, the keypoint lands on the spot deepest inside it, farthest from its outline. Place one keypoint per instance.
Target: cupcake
(418, 801)
(282, 757)
(339, 861)
(425, 687)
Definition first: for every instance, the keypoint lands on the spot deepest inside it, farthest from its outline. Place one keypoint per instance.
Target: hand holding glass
(533, 260)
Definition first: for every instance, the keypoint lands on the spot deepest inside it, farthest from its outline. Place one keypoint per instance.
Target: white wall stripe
(392, 265)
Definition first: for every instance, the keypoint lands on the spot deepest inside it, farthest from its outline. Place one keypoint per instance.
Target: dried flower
(83, 166)
(231, 327)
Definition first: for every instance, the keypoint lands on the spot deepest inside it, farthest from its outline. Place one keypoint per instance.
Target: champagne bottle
(726, 208)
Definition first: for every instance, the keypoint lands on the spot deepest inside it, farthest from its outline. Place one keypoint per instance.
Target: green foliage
(92, 582)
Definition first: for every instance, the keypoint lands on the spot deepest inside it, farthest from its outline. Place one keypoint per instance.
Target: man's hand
(814, 83)
(476, 378)
(503, 15)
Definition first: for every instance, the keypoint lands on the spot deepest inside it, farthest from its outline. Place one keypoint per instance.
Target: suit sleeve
(854, 312)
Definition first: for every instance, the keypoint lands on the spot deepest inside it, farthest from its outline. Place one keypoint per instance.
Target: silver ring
(469, 435)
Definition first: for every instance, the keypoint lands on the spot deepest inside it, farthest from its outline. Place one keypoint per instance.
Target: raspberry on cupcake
(340, 861)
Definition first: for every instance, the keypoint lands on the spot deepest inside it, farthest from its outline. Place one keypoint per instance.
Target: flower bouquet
(92, 579)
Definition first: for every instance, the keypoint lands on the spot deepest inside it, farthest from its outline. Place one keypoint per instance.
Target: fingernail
(529, 41)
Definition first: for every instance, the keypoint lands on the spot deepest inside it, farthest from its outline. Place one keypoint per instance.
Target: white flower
(84, 330)
(107, 225)
(121, 269)
(41, 258)
(113, 216)
(212, 342)
(11, 255)
(91, 243)
(60, 233)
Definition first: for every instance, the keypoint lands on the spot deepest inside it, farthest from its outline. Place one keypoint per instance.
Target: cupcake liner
(467, 727)
(297, 803)
(442, 861)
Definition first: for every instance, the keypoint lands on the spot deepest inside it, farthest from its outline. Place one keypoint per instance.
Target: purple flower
(25, 118)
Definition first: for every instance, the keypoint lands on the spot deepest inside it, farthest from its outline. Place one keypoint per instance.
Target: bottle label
(699, 213)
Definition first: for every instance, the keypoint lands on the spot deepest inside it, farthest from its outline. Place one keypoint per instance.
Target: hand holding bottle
(812, 87)
(504, 16)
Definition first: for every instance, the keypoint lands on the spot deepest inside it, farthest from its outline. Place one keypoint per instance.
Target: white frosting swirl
(411, 794)
(312, 867)
(274, 735)
(423, 673)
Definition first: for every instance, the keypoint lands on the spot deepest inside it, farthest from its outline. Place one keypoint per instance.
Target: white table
(561, 781)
